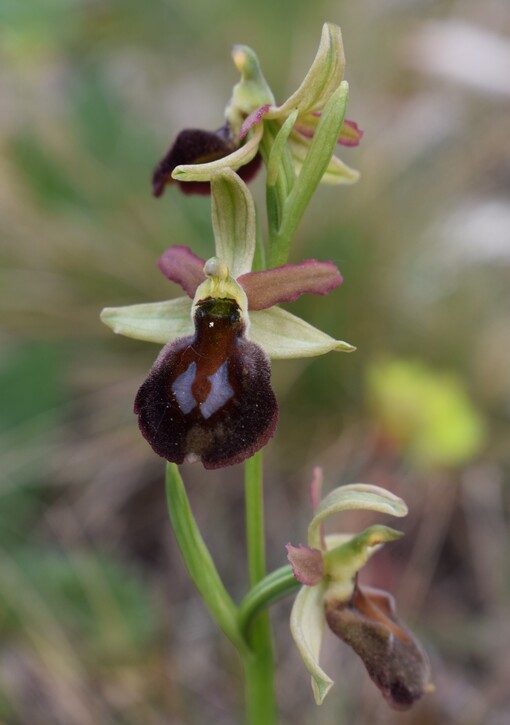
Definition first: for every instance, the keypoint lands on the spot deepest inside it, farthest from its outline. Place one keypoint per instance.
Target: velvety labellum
(208, 397)
(393, 658)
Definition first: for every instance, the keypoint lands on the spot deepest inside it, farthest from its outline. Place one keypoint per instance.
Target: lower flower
(363, 618)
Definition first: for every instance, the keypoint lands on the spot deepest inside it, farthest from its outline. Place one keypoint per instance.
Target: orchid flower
(208, 396)
(196, 153)
(362, 617)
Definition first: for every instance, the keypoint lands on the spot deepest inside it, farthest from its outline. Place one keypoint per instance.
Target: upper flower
(320, 100)
(208, 396)
(362, 617)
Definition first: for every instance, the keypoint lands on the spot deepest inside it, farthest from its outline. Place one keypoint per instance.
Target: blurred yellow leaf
(426, 413)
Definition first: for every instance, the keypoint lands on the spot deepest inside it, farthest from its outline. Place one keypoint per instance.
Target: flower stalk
(259, 664)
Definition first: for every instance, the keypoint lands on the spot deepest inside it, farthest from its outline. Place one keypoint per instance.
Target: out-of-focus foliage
(428, 415)
(98, 622)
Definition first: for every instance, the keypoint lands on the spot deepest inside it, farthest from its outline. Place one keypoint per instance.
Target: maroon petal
(394, 659)
(208, 397)
(307, 564)
(184, 267)
(287, 283)
(192, 146)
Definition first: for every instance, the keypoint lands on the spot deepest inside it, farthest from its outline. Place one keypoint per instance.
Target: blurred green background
(98, 621)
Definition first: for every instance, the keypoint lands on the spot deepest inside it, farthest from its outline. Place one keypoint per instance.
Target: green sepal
(233, 220)
(307, 626)
(283, 335)
(356, 496)
(324, 76)
(279, 333)
(159, 322)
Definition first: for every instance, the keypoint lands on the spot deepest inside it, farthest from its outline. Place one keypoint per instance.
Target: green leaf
(160, 322)
(198, 559)
(283, 335)
(307, 625)
(356, 496)
(233, 219)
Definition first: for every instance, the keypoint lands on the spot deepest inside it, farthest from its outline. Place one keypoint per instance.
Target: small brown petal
(394, 659)
(307, 564)
(183, 267)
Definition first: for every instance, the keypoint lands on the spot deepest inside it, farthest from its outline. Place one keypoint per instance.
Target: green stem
(259, 663)
(199, 562)
(275, 586)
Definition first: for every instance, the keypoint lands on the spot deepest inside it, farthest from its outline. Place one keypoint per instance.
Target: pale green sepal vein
(160, 322)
